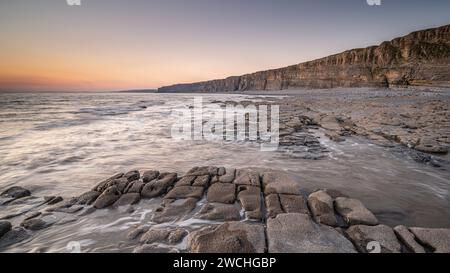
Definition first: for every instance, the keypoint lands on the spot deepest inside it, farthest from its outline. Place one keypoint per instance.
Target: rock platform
(235, 211)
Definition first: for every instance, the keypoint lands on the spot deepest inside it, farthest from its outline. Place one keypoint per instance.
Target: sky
(101, 45)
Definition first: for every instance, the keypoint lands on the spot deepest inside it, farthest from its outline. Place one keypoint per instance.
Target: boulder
(134, 187)
(35, 224)
(407, 238)
(171, 211)
(176, 235)
(437, 239)
(136, 232)
(155, 235)
(132, 175)
(221, 171)
(183, 192)
(322, 209)
(185, 181)
(149, 176)
(228, 177)
(5, 226)
(365, 236)
(293, 203)
(280, 183)
(205, 170)
(121, 184)
(220, 212)
(128, 199)
(222, 193)
(201, 181)
(334, 193)
(297, 233)
(214, 179)
(14, 236)
(247, 177)
(354, 212)
(100, 187)
(230, 237)
(107, 198)
(88, 198)
(163, 235)
(250, 199)
(273, 205)
(160, 186)
(16, 192)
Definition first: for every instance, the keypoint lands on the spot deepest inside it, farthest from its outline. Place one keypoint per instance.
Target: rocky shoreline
(415, 122)
(235, 211)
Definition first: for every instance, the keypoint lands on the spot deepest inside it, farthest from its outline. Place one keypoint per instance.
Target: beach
(386, 148)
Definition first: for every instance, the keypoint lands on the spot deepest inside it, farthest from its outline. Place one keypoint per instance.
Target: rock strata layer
(421, 58)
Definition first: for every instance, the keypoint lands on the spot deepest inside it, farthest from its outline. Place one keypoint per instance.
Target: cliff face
(421, 58)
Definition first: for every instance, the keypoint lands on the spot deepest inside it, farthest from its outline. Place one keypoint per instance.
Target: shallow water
(63, 144)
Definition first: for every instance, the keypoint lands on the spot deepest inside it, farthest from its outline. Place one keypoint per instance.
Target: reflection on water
(62, 144)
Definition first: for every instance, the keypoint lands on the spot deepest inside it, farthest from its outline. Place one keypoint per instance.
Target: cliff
(421, 58)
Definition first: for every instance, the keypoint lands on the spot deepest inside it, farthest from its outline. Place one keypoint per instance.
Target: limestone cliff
(421, 58)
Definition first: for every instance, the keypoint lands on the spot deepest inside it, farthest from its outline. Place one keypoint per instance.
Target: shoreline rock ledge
(223, 210)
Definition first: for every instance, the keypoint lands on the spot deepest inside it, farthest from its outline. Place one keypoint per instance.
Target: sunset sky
(47, 45)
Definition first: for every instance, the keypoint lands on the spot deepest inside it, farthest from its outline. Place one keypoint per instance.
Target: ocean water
(63, 144)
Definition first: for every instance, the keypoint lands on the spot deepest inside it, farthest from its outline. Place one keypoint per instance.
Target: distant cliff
(421, 58)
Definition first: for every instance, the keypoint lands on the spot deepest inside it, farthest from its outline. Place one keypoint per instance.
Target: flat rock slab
(220, 212)
(408, 240)
(365, 237)
(222, 193)
(174, 210)
(354, 212)
(247, 177)
(185, 192)
(281, 183)
(293, 203)
(250, 199)
(438, 239)
(228, 177)
(322, 208)
(297, 233)
(273, 205)
(230, 237)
